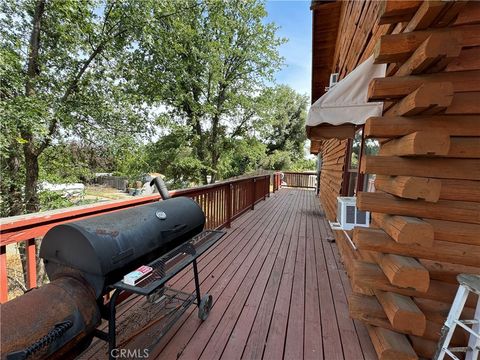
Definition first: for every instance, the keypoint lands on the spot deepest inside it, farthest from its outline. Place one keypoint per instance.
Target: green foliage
(213, 58)
(62, 74)
(282, 125)
(65, 163)
(371, 147)
(244, 156)
(51, 200)
(101, 79)
(172, 156)
(304, 165)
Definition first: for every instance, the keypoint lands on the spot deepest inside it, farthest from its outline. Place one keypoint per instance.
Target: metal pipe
(161, 187)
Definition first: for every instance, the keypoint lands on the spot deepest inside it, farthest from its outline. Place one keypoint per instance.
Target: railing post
(3, 275)
(266, 187)
(30, 253)
(253, 192)
(234, 200)
(229, 205)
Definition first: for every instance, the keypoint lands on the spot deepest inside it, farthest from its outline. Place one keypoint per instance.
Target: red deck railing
(300, 179)
(221, 203)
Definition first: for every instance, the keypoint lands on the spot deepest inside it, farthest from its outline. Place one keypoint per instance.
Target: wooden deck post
(253, 192)
(3, 275)
(266, 187)
(30, 254)
(229, 205)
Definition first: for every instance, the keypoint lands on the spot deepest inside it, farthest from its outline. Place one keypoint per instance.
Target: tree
(173, 157)
(283, 112)
(62, 71)
(213, 60)
(242, 157)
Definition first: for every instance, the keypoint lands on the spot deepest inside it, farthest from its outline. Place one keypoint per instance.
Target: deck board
(280, 292)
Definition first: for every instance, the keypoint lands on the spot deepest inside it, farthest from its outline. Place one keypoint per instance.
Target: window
(358, 147)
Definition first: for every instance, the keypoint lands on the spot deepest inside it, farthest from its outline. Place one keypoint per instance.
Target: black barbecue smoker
(86, 262)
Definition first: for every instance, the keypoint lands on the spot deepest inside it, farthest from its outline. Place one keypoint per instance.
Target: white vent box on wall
(348, 216)
(333, 81)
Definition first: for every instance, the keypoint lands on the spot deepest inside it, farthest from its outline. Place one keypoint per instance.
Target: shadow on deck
(279, 289)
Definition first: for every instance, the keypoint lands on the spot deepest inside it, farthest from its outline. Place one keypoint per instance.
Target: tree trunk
(31, 155)
(32, 202)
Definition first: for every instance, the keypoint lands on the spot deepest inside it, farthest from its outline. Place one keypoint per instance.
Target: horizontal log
(462, 190)
(367, 309)
(464, 103)
(470, 14)
(457, 232)
(392, 12)
(423, 347)
(327, 131)
(442, 168)
(396, 126)
(369, 277)
(446, 272)
(405, 229)
(404, 271)
(430, 98)
(410, 187)
(434, 144)
(461, 211)
(399, 47)
(390, 345)
(464, 147)
(436, 52)
(469, 59)
(425, 15)
(402, 312)
(378, 240)
(400, 86)
(450, 12)
(437, 311)
(417, 143)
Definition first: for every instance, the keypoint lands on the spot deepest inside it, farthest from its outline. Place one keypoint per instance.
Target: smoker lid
(101, 244)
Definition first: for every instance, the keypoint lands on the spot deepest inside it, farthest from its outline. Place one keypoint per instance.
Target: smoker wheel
(205, 306)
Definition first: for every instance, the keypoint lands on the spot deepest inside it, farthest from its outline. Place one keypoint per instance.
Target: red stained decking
(279, 289)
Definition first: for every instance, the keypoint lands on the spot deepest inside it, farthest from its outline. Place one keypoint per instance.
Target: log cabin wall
(340, 50)
(426, 210)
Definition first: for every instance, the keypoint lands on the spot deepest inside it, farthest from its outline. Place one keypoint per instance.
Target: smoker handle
(161, 187)
(175, 229)
(57, 331)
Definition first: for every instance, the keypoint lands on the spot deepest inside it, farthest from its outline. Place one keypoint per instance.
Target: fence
(117, 182)
(300, 179)
(221, 203)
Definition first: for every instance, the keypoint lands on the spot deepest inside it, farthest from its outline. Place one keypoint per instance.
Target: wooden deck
(279, 289)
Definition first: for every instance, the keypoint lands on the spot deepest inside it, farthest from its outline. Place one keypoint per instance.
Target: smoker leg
(112, 341)
(197, 282)
(204, 304)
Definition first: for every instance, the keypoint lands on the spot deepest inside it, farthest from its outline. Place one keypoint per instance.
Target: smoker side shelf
(170, 264)
(155, 289)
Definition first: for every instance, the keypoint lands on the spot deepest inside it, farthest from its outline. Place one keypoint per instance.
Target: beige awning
(346, 102)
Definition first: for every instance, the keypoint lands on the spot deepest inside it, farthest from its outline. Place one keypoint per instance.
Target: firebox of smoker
(86, 261)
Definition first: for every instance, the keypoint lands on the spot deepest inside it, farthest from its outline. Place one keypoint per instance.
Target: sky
(295, 21)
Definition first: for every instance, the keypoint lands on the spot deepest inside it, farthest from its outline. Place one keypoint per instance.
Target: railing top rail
(300, 172)
(11, 228)
(28, 227)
